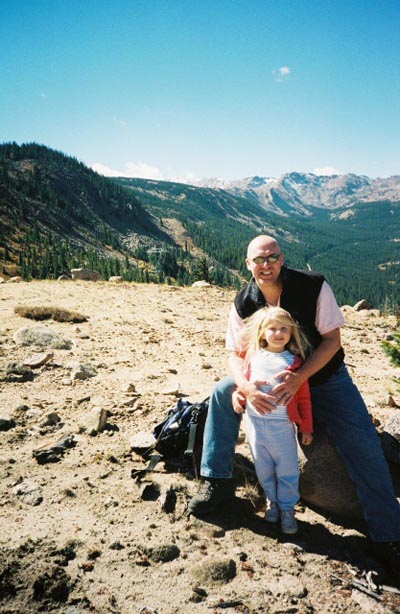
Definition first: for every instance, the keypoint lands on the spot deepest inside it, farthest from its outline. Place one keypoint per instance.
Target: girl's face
(277, 335)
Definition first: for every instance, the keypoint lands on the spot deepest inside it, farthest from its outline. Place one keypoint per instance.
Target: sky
(182, 89)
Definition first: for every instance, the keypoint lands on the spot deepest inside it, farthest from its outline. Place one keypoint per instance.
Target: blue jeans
(339, 409)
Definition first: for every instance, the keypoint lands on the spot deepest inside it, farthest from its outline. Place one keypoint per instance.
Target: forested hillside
(56, 214)
(357, 248)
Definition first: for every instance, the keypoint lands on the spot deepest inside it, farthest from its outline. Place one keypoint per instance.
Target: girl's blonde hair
(253, 335)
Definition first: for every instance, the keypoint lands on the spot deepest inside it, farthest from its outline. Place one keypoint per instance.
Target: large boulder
(391, 438)
(325, 482)
(85, 274)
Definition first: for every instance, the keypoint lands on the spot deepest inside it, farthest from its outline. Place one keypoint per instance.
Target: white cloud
(120, 122)
(142, 170)
(282, 74)
(130, 169)
(326, 171)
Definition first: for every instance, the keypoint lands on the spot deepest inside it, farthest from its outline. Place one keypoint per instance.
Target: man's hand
(263, 402)
(238, 402)
(284, 392)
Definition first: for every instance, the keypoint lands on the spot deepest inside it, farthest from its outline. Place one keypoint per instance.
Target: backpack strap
(139, 474)
(189, 452)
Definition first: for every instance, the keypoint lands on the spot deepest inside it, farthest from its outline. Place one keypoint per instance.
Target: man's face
(266, 272)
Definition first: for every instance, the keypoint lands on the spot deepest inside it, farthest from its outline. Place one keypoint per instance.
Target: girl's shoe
(272, 513)
(288, 522)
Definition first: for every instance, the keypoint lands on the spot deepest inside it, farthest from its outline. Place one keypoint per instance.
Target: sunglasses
(264, 259)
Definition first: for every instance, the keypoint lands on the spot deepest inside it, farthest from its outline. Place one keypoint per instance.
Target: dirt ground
(80, 535)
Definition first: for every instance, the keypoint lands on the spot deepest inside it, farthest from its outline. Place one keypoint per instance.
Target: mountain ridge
(55, 213)
(303, 190)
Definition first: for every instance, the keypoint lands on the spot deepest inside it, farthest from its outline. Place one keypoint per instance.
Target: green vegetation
(392, 349)
(57, 214)
(358, 253)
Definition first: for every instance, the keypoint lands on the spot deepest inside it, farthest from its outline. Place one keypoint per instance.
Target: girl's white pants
(273, 445)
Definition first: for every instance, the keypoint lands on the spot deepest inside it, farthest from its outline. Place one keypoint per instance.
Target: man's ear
(248, 265)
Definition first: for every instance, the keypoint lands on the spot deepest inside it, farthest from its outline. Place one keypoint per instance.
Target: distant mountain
(346, 226)
(298, 193)
(55, 213)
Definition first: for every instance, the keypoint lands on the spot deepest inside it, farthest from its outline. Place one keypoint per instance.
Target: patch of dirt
(86, 538)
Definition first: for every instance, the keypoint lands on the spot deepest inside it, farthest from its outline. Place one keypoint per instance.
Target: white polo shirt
(328, 317)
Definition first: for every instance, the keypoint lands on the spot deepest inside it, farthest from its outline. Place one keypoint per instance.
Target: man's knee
(224, 388)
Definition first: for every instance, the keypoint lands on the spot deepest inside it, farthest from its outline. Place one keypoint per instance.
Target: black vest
(300, 291)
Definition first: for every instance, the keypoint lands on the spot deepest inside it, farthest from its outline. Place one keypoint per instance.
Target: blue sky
(222, 88)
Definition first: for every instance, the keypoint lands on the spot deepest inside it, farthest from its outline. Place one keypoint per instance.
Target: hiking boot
(389, 553)
(288, 522)
(272, 512)
(212, 493)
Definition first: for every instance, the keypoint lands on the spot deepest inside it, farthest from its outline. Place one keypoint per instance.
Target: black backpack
(179, 437)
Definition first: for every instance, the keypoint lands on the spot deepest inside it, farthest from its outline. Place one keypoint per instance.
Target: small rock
(116, 278)
(51, 419)
(218, 572)
(116, 546)
(81, 371)
(391, 402)
(15, 279)
(131, 402)
(129, 388)
(16, 372)
(142, 441)
(363, 304)
(173, 389)
(37, 360)
(201, 284)
(95, 420)
(29, 492)
(285, 585)
(52, 453)
(168, 500)
(85, 274)
(41, 336)
(6, 423)
(163, 553)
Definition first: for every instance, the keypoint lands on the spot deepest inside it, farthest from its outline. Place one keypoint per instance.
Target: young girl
(274, 343)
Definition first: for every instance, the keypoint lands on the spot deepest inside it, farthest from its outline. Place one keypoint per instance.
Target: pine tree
(392, 349)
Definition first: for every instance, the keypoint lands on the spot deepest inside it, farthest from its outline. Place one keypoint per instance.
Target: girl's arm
(303, 400)
(306, 439)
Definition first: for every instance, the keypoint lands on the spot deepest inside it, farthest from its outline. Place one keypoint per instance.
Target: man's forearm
(321, 356)
(237, 368)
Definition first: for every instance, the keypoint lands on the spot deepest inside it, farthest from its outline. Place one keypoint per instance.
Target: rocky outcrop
(85, 274)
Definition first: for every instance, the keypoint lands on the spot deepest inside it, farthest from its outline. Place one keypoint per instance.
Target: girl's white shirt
(328, 317)
(264, 365)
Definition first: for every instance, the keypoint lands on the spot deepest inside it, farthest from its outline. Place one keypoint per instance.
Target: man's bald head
(262, 244)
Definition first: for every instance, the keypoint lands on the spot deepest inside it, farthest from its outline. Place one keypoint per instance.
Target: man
(337, 403)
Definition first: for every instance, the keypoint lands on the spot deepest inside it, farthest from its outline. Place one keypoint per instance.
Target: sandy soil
(79, 535)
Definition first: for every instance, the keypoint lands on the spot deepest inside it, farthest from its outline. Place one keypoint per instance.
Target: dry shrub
(46, 313)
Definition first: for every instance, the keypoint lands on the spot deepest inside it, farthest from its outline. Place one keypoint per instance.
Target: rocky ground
(79, 535)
